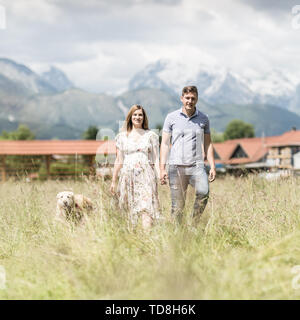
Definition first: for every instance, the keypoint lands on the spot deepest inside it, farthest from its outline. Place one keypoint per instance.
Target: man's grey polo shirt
(187, 137)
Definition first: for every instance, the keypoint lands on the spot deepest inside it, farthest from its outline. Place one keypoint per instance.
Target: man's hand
(163, 176)
(112, 188)
(212, 174)
(209, 151)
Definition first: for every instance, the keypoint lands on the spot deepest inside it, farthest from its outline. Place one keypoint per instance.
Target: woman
(138, 160)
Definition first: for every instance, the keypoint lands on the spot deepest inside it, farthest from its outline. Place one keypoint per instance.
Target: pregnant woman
(138, 163)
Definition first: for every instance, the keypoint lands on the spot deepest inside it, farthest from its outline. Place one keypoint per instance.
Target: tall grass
(244, 247)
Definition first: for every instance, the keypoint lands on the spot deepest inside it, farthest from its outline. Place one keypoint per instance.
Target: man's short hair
(188, 89)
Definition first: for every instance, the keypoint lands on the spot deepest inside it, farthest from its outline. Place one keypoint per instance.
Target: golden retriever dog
(72, 207)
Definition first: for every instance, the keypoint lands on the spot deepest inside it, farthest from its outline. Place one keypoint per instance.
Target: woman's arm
(117, 167)
(155, 154)
(164, 151)
(156, 159)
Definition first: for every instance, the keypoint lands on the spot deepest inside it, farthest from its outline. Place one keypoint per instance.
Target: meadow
(245, 246)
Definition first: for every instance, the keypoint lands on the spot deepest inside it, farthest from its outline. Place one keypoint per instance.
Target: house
(243, 153)
(285, 151)
(261, 152)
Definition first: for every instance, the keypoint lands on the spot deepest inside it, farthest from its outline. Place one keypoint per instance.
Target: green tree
(159, 128)
(22, 133)
(90, 133)
(216, 136)
(18, 163)
(238, 129)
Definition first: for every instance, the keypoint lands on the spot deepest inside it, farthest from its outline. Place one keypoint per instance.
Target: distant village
(270, 156)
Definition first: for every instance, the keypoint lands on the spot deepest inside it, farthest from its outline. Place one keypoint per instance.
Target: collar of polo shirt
(193, 115)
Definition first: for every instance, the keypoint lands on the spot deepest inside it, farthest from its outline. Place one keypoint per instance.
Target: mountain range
(54, 108)
(219, 85)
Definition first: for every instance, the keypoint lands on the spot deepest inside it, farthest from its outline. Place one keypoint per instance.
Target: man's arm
(164, 151)
(209, 152)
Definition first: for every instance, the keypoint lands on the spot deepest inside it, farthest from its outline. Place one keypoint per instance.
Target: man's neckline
(194, 114)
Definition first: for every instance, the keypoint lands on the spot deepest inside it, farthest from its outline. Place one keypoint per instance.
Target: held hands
(112, 188)
(163, 176)
(212, 174)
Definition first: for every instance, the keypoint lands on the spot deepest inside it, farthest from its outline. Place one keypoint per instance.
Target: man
(187, 131)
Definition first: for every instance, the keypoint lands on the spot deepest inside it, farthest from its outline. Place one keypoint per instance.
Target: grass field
(244, 248)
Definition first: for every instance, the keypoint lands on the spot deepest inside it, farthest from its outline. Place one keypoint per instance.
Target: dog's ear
(58, 195)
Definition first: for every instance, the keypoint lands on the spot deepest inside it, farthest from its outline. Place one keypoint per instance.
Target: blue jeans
(179, 179)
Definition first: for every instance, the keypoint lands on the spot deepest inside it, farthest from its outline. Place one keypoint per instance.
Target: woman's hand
(113, 188)
(163, 176)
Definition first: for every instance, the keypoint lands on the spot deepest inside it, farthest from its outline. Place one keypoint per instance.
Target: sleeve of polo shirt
(207, 128)
(167, 124)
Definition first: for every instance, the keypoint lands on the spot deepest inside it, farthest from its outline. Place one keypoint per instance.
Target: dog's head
(65, 199)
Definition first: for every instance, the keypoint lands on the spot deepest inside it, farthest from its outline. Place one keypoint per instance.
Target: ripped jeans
(179, 179)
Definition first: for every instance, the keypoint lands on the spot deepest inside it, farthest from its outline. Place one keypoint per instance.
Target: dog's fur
(72, 207)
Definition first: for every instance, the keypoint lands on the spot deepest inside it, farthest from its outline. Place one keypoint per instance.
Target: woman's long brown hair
(128, 122)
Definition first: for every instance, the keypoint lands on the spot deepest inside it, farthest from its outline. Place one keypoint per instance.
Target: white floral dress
(137, 186)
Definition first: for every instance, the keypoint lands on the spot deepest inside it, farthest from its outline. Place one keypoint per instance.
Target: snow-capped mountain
(274, 87)
(67, 114)
(151, 77)
(225, 88)
(218, 85)
(24, 77)
(57, 79)
(275, 82)
(295, 102)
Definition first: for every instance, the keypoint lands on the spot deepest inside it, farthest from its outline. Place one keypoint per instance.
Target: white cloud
(101, 44)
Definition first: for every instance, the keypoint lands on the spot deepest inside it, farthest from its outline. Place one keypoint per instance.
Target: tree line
(29, 164)
(235, 129)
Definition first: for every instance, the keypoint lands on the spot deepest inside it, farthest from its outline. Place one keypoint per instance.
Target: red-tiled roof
(288, 138)
(49, 147)
(255, 148)
(224, 149)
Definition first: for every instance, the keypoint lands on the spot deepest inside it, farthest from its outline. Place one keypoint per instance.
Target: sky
(101, 44)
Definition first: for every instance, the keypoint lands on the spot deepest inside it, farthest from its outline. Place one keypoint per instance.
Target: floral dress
(137, 186)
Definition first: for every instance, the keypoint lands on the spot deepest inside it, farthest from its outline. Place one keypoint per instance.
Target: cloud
(104, 3)
(272, 7)
(101, 44)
